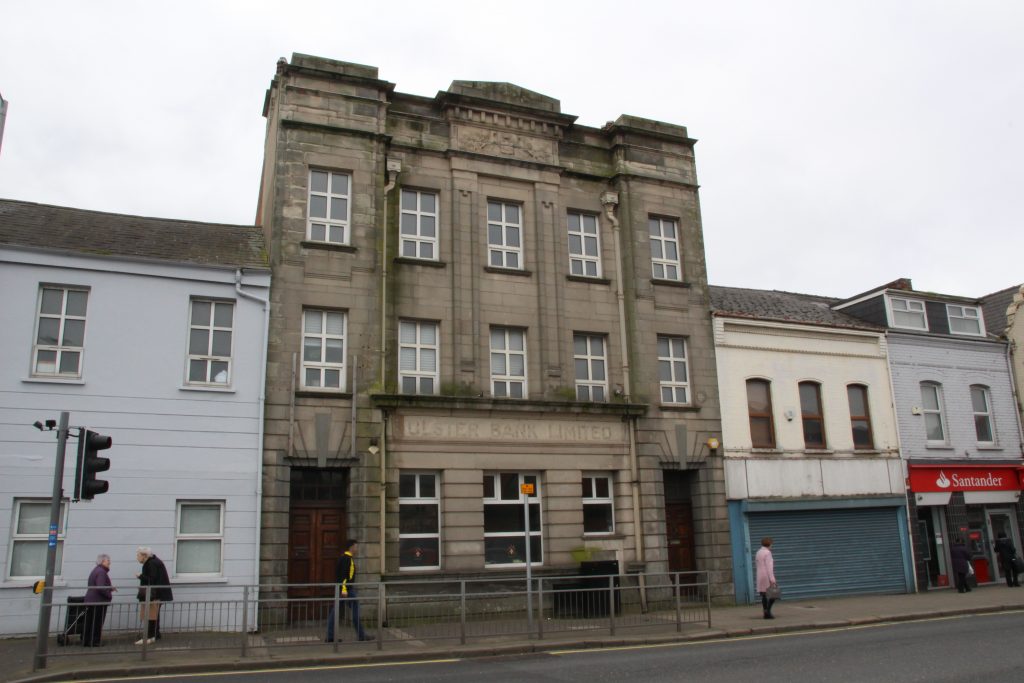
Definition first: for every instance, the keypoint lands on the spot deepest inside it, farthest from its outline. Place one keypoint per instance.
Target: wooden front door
(315, 536)
(682, 554)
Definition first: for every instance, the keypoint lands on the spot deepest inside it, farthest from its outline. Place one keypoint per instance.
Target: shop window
(504, 529)
(419, 521)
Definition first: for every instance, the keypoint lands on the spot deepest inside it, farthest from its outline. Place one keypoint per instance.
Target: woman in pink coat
(765, 574)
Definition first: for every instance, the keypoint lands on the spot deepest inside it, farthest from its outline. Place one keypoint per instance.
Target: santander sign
(933, 478)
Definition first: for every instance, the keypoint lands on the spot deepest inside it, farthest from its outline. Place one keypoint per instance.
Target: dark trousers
(766, 603)
(1010, 572)
(352, 601)
(961, 583)
(92, 631)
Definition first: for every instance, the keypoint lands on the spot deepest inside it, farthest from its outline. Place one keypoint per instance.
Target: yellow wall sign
(526, 489)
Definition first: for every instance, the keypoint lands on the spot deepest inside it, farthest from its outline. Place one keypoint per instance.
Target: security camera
(51, 424)
(38, 425)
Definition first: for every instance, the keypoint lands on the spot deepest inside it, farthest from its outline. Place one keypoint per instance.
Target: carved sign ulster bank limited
(491, 430)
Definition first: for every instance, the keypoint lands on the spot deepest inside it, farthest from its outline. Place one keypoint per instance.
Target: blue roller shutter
(832, 552)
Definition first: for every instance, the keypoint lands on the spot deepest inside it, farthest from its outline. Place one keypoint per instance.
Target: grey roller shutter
(832, 552)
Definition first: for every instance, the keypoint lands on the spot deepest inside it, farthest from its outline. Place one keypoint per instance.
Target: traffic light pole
(46, 603)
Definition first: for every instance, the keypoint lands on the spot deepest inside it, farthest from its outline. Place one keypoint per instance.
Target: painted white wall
(171, 442)
(786, 355)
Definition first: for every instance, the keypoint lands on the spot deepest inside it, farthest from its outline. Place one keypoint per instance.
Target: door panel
(682, 555)
(314, 544)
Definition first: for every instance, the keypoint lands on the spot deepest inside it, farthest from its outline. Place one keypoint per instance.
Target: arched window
(813, 415)
(860, 417)
(982, 406)
(931, 407)
(759, 405)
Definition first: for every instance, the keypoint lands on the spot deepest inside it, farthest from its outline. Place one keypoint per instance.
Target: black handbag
(1018, 565)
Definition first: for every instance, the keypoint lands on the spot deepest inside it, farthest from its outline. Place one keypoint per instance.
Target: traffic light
(87, 486)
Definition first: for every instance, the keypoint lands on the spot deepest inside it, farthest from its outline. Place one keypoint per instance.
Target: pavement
(16, 654)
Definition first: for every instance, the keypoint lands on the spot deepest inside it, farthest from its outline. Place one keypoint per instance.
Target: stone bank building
(471, 292)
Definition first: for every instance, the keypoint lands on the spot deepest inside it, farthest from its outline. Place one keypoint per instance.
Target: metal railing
(409, 614)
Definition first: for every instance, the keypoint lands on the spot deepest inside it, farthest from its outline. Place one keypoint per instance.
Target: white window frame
(956, 312)
(592, 498)
(664, 236)
(585, 230)
(60, 348)
(907, 307)
(419, 499)
(939, 411)
(322, 366)
(180, 537)
(329, 223)
(674, 384)
(986, 414)
(503, 385)
(420, 351)
(36, 538)
(588, 364)
(496, 499)
(209, 359)
(417, 220)
(503, 249)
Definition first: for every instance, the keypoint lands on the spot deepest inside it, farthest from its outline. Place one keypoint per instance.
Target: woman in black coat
(961, 558)
(1007, 554)
(154, 580)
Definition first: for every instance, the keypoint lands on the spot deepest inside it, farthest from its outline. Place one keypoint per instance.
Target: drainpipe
(392, 165)
(610, 200)
(1013, 391)
(904, 465)
(265, 303)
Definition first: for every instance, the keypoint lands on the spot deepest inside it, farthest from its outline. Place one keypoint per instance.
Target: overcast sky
(841, 144)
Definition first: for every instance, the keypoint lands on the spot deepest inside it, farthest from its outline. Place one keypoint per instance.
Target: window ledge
(327, 246)
(990, 447)
(819, 451)
(508, 271)
(671, 283)
(766, 451)
(216, 390)
(429, 263)
(588, 279)
(186, 580)
(679, 408)
(939, 447)
(53, 380)
(313, 393)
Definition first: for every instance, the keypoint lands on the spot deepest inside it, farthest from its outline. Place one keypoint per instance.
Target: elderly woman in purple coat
(97, 598)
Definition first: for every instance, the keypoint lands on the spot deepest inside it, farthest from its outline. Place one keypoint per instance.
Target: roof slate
(42, 226)
(763, 304)
(994, 308)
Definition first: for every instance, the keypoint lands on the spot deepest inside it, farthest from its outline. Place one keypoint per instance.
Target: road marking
(210, 674)
(788, 634)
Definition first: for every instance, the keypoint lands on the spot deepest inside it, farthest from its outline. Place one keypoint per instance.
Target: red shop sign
(933, 478)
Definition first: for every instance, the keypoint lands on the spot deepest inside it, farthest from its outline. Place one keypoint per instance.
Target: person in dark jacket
(155, 584)
(961, 559)
(1007, 555)
(97, 598)
(345, 574)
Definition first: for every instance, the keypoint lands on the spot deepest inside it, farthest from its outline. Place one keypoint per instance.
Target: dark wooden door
(315, 537)
(682, 554)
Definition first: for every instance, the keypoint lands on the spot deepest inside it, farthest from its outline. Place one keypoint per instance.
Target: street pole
(46, 602)
(526, 490)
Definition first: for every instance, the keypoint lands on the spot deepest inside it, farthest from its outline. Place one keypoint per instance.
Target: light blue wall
(955, 364)
(171, 443)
